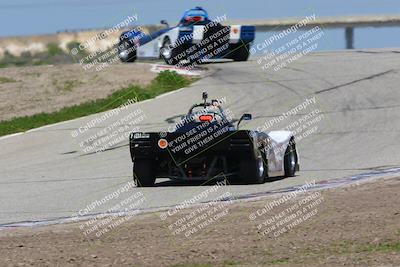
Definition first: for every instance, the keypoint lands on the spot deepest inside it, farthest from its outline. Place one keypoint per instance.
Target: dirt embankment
(30, 90)
(352, 226)
(38, 43)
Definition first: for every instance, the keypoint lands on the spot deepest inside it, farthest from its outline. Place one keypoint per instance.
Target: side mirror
(164, 22)
(245, 117)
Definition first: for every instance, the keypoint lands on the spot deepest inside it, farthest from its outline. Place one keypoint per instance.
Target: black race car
(206, 145)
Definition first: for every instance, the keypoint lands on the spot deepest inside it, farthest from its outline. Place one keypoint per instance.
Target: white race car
(196, 38)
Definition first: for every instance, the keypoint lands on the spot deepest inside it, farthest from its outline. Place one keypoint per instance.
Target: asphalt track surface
(44, 174)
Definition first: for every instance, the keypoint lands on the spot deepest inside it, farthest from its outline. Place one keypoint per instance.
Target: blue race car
(195, 39)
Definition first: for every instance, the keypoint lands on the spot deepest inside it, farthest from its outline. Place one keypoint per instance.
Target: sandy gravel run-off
(356, 225)
(50, 88)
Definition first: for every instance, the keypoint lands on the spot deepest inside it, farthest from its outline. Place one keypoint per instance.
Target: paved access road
(44, 174)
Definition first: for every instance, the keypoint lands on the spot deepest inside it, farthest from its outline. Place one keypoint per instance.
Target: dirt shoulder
(31, 90)
(351, 226)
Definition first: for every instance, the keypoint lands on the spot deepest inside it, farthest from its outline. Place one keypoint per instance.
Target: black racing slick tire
(253, 171)
(168, 53)
(214, 45)
(126, 52)
(143, 174)
(241, 54)
(290, 161)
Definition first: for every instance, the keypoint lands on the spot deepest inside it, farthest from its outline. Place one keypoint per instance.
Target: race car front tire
(290, 161)
(143, 173)
(252, 171)
(127, 53)
(169, 54)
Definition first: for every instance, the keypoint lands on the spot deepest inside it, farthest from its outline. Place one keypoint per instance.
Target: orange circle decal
(162, 143)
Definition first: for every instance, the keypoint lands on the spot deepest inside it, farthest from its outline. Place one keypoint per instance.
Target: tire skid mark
(356, 81)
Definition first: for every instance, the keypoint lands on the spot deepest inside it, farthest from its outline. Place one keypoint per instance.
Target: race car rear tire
(169, 54)
(290, 161)
(252, 171)
(241, 54)
(143, 173)
(214, 45)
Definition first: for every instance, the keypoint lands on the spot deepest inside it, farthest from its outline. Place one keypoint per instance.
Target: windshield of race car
(194, 16)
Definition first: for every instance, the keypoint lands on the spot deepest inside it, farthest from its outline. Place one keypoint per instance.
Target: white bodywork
(198, 34)
(152, 48)
(275, 148)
